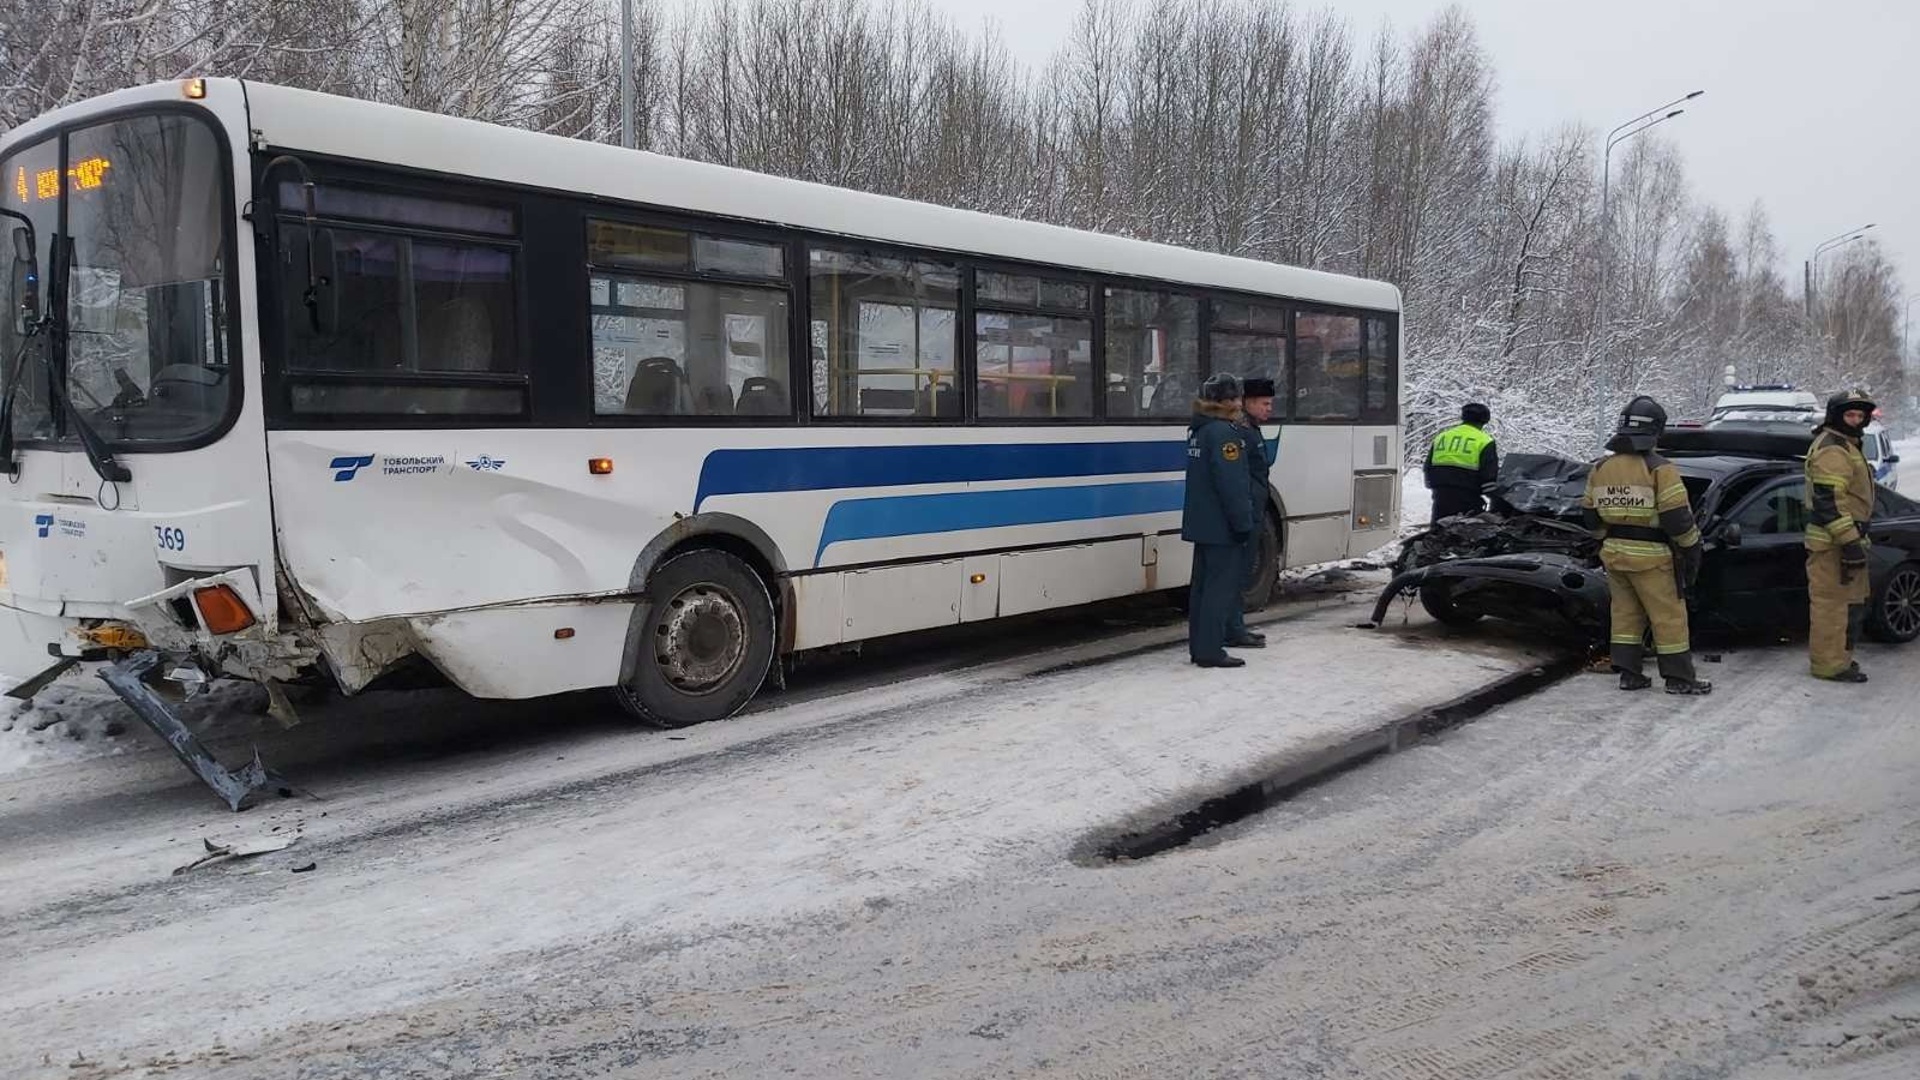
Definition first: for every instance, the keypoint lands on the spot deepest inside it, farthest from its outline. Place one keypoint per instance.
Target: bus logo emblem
(483, 463)
(346, 468)
(43, 522)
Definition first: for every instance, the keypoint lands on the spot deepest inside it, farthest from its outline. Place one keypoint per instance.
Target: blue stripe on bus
(915, 515)
(821, 468)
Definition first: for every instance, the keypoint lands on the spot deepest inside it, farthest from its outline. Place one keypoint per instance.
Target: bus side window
(1152, 354)
(427, 324)
(1033, 347)
(885, 333)
(1328, 367)
(1250, 340)
(670, 339)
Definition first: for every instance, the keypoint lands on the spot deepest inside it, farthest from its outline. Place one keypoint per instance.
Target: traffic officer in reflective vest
(1217, 519)
(1839, 506)
(1461, 462)
(1256, 409)
(1650, 547)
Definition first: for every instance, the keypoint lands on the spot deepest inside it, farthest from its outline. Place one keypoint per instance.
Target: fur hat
(1221, 386)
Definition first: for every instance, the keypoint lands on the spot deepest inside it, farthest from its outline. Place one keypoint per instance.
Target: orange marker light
(563, 633)
(978, 579)
(600, 466)
(195, 89)
(221, 610)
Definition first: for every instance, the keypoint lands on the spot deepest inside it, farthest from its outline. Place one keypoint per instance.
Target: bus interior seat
(714, 400)
(993, 398)
(1076, 394)
(656, 388)
(946, 401)
(1170, 398)
(761, 396)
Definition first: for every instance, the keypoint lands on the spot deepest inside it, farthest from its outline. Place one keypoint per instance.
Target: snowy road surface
(879, 884)
(440, 871)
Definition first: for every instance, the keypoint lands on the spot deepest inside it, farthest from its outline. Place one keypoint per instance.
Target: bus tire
(1265, 572)
(704, 642)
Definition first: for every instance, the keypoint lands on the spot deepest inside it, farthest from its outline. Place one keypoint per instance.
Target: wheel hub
(701, 640)
(1903, 603)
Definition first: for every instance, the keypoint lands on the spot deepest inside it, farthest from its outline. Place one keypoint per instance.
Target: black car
(1530, 559)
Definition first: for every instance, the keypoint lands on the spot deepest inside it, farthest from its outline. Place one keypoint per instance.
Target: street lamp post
(626, 73)
(1636, 126)
(1842, 240)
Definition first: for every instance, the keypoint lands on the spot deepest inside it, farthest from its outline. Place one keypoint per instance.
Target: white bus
(304, 387)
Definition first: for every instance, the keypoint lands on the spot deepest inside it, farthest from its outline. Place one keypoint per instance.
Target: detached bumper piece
(241, 789)
(1522, 587)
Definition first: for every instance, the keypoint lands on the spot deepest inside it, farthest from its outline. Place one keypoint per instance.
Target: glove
(1853, 560)
(1690, 565)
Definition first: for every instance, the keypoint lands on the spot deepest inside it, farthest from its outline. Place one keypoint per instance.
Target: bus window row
(424, 318)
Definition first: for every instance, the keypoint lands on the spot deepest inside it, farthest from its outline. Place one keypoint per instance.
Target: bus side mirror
(323, 297)
(22, 244)
(1893, 459)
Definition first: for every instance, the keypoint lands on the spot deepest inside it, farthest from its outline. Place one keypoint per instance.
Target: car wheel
(703, 643)
(1894, 614)
(1437, 598)
(1266, 567)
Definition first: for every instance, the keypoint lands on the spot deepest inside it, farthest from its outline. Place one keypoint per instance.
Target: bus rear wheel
(704, 643)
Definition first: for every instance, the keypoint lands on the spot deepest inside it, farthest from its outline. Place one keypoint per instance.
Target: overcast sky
(1811, 106)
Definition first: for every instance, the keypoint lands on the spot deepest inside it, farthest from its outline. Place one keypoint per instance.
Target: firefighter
(1217, 519)
(1461, 463)
(1256, 407)
(1650, 547)
(1839, 506)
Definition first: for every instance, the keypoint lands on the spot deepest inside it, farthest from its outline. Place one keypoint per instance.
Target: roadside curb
(1284, 777)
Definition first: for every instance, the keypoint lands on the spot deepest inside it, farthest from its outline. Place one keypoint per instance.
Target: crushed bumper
(1526, 587)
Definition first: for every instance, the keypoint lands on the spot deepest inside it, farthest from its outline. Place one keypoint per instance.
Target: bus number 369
(169, 539)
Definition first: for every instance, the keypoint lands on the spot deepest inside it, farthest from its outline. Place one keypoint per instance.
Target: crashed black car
(1529, 558)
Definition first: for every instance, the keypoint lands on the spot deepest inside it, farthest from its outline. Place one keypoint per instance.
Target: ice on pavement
(830, 807)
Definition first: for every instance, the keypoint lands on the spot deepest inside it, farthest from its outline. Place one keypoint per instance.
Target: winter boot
(1689, 686)
(1853, 674)
(1633, 680)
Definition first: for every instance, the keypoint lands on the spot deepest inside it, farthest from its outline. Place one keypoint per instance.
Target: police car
(1878, 449)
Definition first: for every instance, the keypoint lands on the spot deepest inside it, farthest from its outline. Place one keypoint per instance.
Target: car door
(1760, 582)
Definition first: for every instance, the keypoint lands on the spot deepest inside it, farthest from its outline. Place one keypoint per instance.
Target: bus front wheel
(704, 643)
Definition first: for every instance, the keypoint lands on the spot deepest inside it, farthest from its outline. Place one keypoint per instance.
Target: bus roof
(305, 121)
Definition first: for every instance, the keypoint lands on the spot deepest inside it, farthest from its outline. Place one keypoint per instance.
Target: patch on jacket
(1623, 497)
(1230, 450)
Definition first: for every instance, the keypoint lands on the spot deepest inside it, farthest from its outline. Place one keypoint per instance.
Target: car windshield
(145, 312)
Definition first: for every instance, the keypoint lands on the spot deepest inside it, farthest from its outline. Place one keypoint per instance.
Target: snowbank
(77, 718)
(68, 721)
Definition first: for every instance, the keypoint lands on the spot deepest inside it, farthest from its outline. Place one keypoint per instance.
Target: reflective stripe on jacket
(1644, 496)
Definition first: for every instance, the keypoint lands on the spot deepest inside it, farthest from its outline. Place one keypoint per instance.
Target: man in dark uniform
(1217, 519)
(1650, 547)
(1461, 463)
(1839, 508)
(1256, 409)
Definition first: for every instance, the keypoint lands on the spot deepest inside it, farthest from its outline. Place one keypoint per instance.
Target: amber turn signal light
(221, 610)
(600, 466)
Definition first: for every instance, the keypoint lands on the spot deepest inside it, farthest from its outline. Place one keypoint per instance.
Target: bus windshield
(144, 321)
